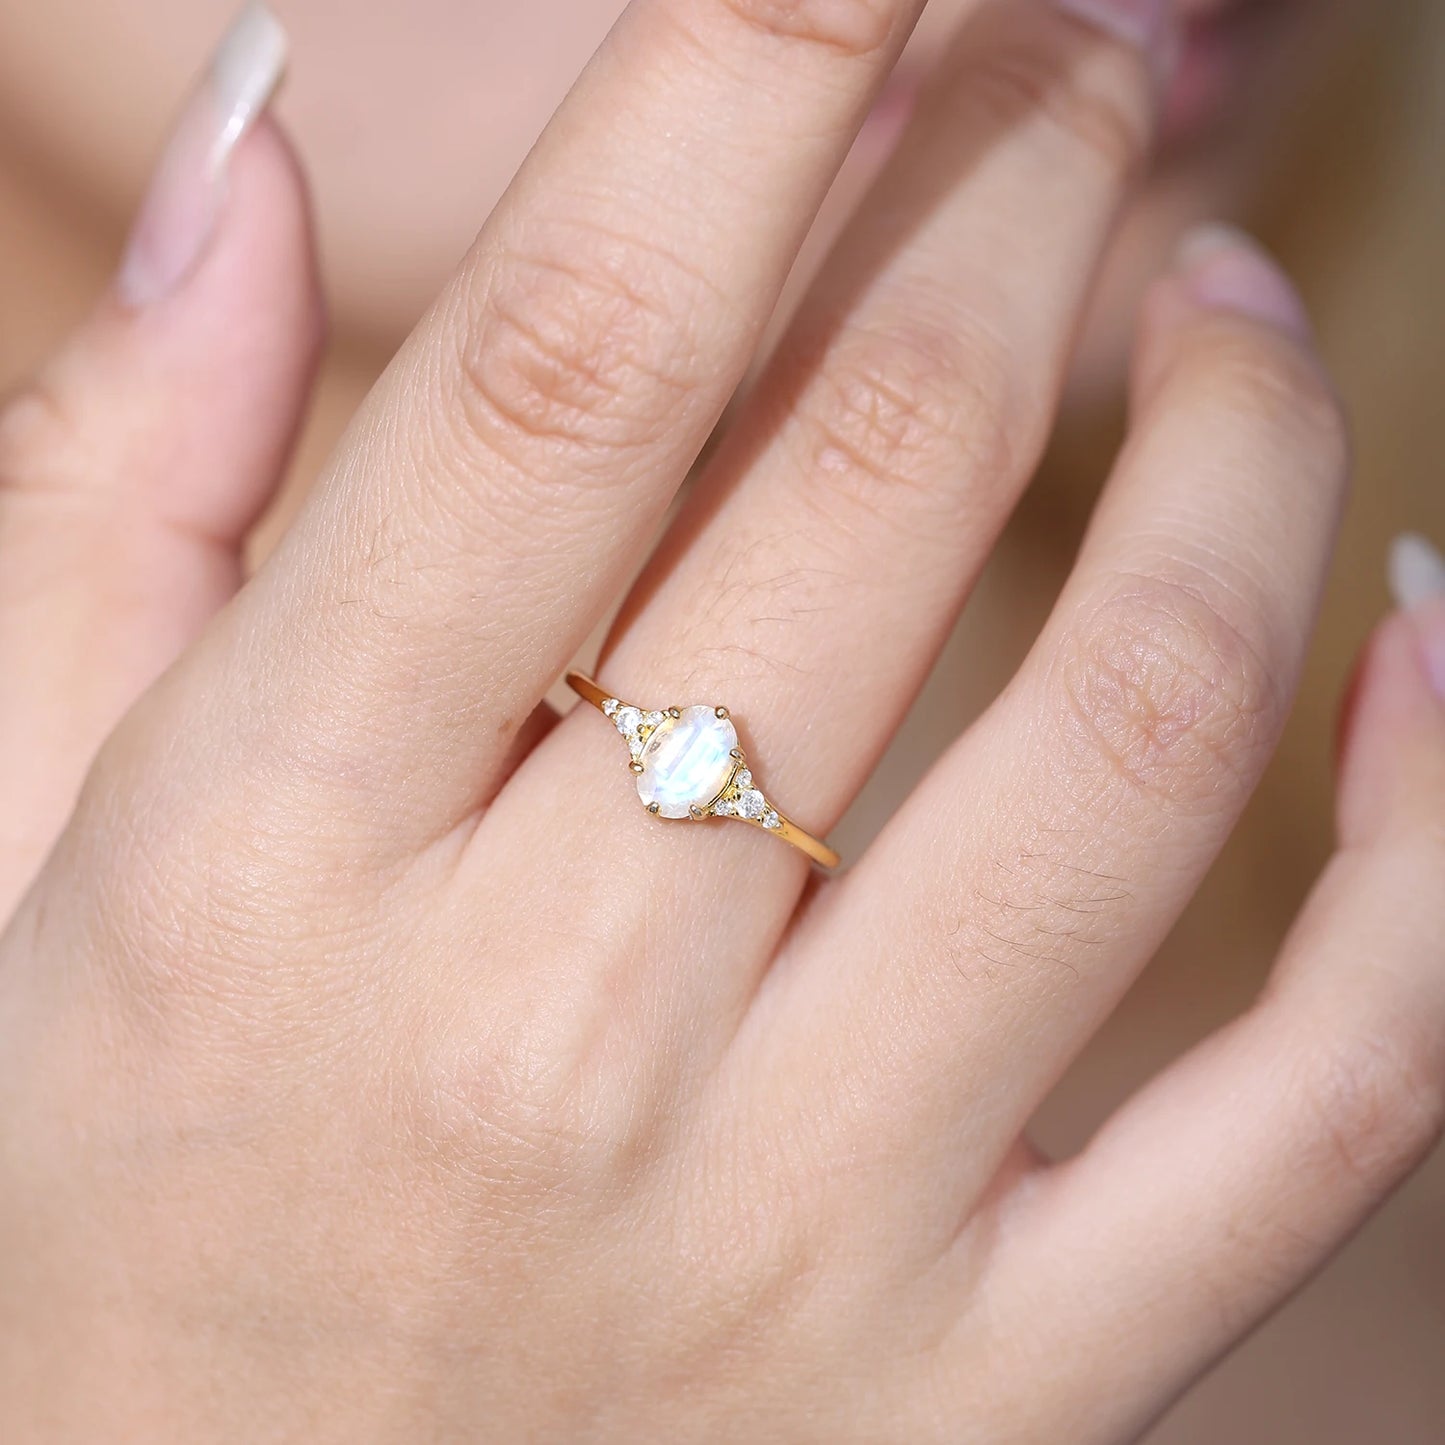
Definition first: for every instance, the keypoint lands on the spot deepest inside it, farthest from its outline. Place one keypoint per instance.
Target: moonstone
(687, 761)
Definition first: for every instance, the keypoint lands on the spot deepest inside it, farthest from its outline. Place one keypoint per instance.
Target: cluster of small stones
(635, 725)
(740, 799)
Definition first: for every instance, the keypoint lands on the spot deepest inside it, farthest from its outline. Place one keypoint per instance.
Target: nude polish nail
(1417, 580)
(187, 192)
(1226, 270)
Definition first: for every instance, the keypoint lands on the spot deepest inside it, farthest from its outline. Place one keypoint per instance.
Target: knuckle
(757, 1253)
(500, 1122)
(1030, 81)
(891, 414)
(38, 431)
(1377, 1103)
(215, 909)
(534, 1105)
(1032, 916)
(851, 27)
(1170, 696)
(580, 340)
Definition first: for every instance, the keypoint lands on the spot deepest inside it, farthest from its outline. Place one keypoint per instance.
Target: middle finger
(500, 482)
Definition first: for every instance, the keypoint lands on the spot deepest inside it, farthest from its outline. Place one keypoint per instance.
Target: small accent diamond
(771, 820)
(723, 808)
(744, 778)
(611, 706)
(628, 720)
(751, 803)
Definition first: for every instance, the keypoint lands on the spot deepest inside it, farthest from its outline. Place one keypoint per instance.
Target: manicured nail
(1229, 271)
(1417, 571)
(1417, 580)
(1145, 23)
(188, 189)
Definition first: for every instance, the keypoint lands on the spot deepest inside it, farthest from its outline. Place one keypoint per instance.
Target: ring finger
(864, 484)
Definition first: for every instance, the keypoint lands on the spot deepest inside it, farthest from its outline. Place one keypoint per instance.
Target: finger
(503, 477)
(1002, 914)
(1220, 1188)
(867, 480)
(132, 465)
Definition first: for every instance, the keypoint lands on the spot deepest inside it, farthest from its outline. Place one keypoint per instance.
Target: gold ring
(689, 765)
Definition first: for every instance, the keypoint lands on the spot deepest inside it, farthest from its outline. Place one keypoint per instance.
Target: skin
(373, 1067)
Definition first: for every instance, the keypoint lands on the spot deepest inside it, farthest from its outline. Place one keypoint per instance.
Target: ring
(689, 765)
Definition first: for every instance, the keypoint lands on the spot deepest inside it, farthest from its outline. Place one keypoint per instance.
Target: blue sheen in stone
(687, 761)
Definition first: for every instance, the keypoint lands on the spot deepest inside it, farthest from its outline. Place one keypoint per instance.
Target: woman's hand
(372, 1067)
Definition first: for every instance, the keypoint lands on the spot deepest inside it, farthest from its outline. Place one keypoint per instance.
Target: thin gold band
(731, 800)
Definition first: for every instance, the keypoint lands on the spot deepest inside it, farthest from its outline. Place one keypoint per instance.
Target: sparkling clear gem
(687, 761)
(723, 808)
(628, 719)
(771, 820)
(744, 778)
(611, 706)
(751, 803)
(654, 718)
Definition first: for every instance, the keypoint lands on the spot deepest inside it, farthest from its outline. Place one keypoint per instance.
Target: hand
(373, 1068)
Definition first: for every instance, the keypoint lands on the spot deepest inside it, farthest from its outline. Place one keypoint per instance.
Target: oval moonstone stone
(687, 761)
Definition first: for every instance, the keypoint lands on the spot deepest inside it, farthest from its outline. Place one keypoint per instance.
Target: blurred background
(1318, 123)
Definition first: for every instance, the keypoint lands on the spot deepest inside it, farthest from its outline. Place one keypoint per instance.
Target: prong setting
(647, 733)
(688, 764)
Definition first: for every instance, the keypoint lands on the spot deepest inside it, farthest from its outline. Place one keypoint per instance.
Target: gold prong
(635, 766)
(721, 711)
(788, 831)
(697, 810)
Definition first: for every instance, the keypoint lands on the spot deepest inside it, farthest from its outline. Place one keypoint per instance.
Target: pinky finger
(1217, 1191)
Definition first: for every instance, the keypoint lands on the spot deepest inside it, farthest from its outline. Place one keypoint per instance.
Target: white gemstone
(687, 761)
(745, 778)
(611, 706)
(628, 719)
(771, 820)
(723, 808)
(654, 718)
(751, 803)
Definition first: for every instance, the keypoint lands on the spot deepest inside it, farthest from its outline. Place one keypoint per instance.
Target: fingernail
(1145, 23)
(1227, 270)
(1417, 571)
(188, 188)
(1417, 580)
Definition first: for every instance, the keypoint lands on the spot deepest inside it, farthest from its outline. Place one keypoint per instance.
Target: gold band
(733, 796)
